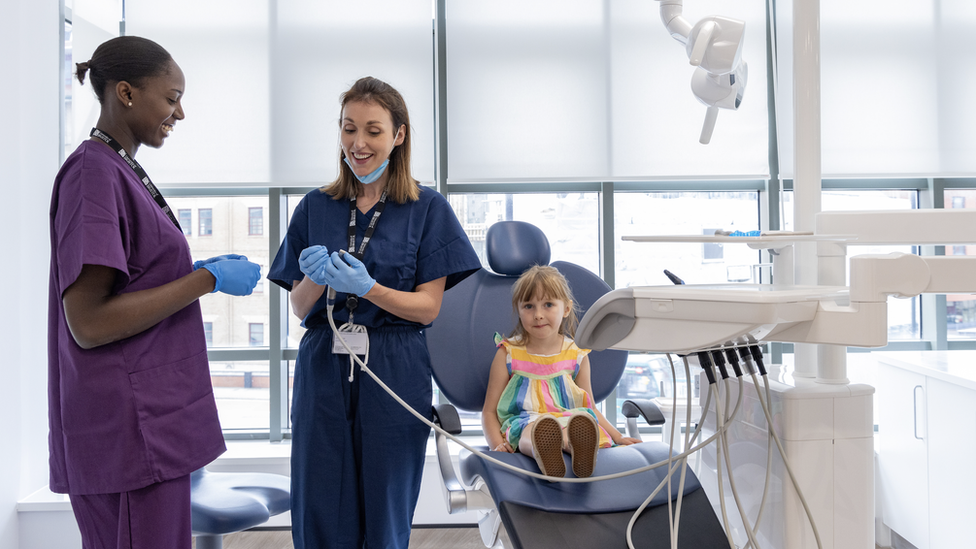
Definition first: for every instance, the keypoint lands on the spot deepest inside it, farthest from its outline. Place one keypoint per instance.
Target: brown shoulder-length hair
(401, 187)
(548, 283)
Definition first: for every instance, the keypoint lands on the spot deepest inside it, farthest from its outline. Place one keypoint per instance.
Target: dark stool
(223, 503)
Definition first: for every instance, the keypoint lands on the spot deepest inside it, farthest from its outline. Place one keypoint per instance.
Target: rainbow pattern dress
(542, 385)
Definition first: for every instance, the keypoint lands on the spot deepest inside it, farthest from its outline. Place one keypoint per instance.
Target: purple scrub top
(141, 410)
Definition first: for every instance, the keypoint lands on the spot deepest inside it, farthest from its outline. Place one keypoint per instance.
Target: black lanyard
(351, 300)
(140, 173)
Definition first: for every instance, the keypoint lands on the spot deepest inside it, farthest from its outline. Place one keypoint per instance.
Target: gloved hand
(311, 261)
(234, 276)
(347, 274)
(202, 262)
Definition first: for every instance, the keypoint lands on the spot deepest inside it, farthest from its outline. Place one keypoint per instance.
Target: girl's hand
(503, 447)
(626, 441)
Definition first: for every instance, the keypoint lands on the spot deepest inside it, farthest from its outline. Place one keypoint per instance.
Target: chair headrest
(512, 247)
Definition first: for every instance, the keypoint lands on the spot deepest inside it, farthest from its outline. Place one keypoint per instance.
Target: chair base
(535, 529)
(209, 542)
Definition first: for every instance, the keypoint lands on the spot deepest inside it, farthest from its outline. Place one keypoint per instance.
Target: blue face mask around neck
(372, 176)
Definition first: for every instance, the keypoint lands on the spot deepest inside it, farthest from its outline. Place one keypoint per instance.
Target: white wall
(29, 142)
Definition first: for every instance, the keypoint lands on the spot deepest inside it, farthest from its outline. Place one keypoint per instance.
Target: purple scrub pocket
(177, 416)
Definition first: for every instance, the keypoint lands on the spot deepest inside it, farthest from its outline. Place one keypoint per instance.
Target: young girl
(539, 398)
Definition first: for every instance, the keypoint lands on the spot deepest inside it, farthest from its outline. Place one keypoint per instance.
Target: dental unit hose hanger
(714, 46)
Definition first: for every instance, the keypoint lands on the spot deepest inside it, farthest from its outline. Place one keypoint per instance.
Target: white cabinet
(902, 461)
(952, 449)
(927, 441)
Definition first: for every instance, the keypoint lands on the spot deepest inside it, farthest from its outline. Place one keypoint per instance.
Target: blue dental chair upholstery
(539, 514)
(223, 503)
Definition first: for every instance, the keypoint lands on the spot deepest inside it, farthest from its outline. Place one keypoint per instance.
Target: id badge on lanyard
(357, 341)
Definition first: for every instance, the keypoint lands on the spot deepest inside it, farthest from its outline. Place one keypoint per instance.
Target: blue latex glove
(234, 276)
(202, 262)
(311, 261)
(347, 274)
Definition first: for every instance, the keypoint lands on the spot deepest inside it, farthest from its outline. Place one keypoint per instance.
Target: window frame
(250, 334)
(188, 226)
(251, 221)
(931, 192)
(200, 222)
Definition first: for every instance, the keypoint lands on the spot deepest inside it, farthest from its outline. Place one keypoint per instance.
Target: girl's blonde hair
(547, 283)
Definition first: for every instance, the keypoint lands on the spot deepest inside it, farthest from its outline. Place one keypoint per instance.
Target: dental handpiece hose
(675, 460)
(720, 361)
(680, 459)
(705, 361)
(755, 354)
(672, 462)
(486, 457)
(733, 360)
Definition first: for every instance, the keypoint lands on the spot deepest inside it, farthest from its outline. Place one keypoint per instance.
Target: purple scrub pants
(154, 517)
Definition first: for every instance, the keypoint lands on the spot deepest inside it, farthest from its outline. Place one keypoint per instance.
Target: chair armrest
(645, 408)
(447, 417)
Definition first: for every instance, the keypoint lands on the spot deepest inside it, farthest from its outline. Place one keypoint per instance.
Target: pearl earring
(130, 103)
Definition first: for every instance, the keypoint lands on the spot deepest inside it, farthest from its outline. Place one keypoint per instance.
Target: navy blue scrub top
(413, 243)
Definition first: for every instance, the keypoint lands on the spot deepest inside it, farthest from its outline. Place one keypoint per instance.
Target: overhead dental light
(714, 46)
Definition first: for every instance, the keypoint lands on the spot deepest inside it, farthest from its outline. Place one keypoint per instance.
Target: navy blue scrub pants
(357, 455)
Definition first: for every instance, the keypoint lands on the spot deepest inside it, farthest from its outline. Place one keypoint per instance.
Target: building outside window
(255, 221)
(206, 221)
(185, 216)
(960, 308)
(642, 185)
(256, 334)
(711, 251)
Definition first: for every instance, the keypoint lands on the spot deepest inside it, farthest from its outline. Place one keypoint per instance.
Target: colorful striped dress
(543, 385)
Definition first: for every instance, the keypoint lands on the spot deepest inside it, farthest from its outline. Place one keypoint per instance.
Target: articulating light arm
(714, 46)
(673, 20)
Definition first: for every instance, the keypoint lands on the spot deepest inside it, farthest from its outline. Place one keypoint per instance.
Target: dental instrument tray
(685, 318)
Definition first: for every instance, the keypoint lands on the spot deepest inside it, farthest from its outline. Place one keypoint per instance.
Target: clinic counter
(955, 367)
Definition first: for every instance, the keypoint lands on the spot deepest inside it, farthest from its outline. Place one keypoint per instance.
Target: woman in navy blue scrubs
(357, 455)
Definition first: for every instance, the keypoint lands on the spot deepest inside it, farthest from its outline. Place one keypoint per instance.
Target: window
(904, 315)
(185, 217)
(256, 334)
(711, 251)
(961, 308)
(681, 213)
(206, 221)
(605, 131)
(255, 221)
(242, 391)
(569, 220)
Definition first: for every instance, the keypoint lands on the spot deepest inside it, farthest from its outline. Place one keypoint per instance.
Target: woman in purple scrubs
(131, 406)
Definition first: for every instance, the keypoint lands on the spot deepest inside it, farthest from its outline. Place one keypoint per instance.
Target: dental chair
(536, 513)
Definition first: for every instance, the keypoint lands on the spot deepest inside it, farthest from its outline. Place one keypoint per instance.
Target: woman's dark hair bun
(81, 69)
(129, 59)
